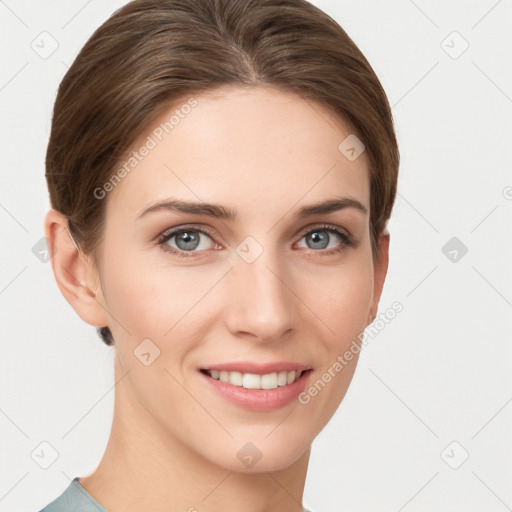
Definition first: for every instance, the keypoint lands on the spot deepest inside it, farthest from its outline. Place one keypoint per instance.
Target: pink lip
(262, 400)
(262, 369)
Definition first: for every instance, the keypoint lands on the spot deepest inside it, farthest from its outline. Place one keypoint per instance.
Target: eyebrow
(220, 212)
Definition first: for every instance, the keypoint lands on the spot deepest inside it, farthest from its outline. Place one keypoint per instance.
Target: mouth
(271, 380)
(258, 387)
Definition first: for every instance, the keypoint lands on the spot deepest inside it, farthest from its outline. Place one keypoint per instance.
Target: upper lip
(258, 368)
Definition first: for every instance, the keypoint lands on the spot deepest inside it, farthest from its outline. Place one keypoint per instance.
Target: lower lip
(259, 399)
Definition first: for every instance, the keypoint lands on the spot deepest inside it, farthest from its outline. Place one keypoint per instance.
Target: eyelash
(347, 240)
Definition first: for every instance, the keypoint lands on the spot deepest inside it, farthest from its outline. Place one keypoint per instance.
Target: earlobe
(72, 270)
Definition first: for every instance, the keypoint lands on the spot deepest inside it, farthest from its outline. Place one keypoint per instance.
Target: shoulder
(74, 499)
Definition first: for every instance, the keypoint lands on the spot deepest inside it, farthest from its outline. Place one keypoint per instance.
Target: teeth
(269, 381)
(251, 381)
(236, 378)
(254, 380)
(282, 378)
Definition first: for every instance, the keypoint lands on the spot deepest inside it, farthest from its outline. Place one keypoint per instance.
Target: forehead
(245, 148)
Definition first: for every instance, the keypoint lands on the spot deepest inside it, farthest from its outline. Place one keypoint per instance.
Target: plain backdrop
(425, 425)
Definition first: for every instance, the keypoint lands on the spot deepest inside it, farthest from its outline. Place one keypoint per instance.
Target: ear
(380, 269)
(75, 273)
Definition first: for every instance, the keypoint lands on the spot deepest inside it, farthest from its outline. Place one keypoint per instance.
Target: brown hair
(150, 53)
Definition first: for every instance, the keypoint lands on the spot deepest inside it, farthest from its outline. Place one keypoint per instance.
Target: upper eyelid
(170, 232)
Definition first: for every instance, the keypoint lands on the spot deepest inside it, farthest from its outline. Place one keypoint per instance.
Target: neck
(145, 467)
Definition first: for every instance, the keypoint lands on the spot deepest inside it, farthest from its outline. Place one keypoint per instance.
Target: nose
(260, 299)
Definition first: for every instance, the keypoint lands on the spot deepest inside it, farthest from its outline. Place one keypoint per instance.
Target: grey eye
(188, 240)
(323, 238)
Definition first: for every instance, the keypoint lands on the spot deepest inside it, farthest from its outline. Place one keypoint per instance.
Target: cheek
(341, 302)
(159, 301)
(341, 299)
(142, 305)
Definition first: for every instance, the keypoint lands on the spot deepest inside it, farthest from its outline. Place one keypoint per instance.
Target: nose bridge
(260, 302)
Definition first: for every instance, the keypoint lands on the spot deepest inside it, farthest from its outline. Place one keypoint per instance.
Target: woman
(221, 173)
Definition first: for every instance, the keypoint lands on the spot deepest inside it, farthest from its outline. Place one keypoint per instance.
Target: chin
(259, 452)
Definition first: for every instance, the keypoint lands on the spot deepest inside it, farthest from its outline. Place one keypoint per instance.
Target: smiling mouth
(255, 380)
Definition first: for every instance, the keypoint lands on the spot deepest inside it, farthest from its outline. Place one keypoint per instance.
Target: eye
(187, 240)
(321, 238)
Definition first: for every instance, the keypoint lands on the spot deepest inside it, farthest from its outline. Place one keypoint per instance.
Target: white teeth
(251, 381)
(236, 378)
(254, 380)
(269, 381)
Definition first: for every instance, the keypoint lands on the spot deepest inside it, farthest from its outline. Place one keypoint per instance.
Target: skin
(263, 153)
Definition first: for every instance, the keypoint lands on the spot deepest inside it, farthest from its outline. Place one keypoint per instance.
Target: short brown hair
(150, 53)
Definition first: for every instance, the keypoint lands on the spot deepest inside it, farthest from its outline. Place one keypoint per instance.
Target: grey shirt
(76, 499)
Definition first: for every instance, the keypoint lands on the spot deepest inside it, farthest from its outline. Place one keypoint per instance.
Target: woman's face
(261, 291)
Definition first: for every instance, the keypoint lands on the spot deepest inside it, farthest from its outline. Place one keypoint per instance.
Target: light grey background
(433, 387)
